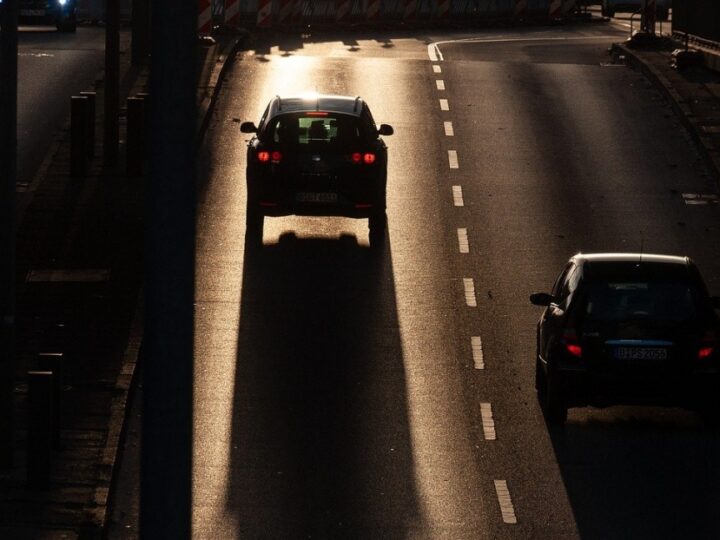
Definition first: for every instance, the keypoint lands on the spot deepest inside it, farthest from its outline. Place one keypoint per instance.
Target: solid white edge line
(444, 105)
(458, 196)
(477, 352)
(506, 506)
(469, 285)
(449, 130)
(453, 159)
(488, 423)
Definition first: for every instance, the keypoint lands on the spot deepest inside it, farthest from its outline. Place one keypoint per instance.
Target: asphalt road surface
(52, 67)
(345, 395)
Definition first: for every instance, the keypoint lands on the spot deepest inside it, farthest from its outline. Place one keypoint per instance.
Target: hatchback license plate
(640, 353)
(316, 197)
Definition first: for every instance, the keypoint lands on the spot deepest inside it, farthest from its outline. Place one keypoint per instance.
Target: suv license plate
(316, 197)
(640, 353)
(32, 12)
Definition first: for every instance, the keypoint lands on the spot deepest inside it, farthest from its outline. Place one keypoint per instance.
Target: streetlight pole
(8, 177)
(166, 471)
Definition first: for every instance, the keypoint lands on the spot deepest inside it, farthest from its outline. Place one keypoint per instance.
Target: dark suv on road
(316, 155)
(627, 328)
(59, 13)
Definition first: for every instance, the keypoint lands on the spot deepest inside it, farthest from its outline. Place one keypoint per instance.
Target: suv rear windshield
(317, 131)
(654, 292)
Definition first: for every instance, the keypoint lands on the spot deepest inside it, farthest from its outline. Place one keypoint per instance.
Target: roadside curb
(710, 155)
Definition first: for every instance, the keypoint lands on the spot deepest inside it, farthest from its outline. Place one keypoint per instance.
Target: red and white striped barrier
(410, 11)
(285, 11)
(372, 9)
(232, 12)
(264, 14)
(521, 8)
(205, 17)
(297, 14)
(569, 6)
(443, 8)
(342, 9)
(555, 9)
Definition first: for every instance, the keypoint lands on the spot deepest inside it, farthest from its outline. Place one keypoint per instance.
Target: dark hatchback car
(627, 328)
(317, 155)
(60, 13)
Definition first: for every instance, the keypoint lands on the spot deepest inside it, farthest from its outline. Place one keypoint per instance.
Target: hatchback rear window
(317, 130)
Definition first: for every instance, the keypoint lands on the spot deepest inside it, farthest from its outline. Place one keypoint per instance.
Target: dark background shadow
(653, 474)
(320, 444)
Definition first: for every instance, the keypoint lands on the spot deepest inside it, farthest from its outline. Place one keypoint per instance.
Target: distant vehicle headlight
(62, 2)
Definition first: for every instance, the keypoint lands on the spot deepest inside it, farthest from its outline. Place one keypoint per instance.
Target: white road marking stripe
(440, 84)
(487, 422)
(444, 105)
(437, 69)
(477, 352)
(458, 196)
(449, 131)
(469, 285)
(506, 506)
(463, 242)
(434, 53)
(453, 159)
(699, 198)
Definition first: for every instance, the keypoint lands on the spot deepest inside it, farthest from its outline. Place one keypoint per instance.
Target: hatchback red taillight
(571, 342)
(368, 158)
(264, 156)
(707, 346)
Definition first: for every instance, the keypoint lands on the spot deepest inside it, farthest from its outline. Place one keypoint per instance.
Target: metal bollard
(78, 135)
(91, 122)
(39, 437)
(135, 151)
(53, 362)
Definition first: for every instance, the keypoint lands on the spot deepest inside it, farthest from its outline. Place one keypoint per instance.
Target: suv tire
(254, 225)
(550, 395)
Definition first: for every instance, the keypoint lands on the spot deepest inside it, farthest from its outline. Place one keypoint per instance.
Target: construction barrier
(342, 10)
(264, 13)
(232, 12)
(205, 17)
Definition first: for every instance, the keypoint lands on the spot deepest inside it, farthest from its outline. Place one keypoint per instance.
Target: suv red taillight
(263, 156)
(571, 343)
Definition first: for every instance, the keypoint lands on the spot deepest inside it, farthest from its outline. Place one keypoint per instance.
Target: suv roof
(317, 102)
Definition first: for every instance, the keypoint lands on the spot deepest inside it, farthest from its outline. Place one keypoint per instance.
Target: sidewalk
(79, 292)
(694, 93)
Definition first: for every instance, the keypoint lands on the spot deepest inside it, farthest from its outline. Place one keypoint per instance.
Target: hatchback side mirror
(541, 299)
(248, 127)
(386, 129)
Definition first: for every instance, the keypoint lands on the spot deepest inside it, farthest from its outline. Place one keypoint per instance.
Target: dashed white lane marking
(437, 69)
(440, 84)
(453, 159)
(434, 53)
(463, 242)
(458, 196)
(449, 131)
(469, 285)
(477, 352)
(444, 105)
(506, 506)
(699, 198)
(488, 423)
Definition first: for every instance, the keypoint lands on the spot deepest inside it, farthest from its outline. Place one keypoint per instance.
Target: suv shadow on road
(648, 473)
(320, 439)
